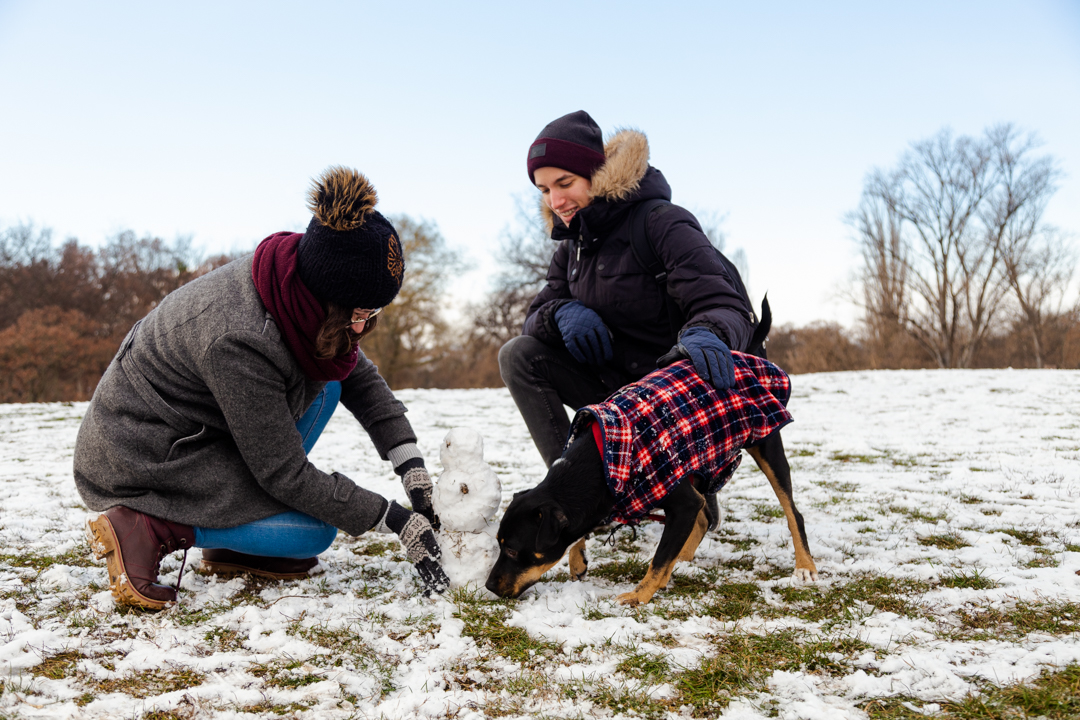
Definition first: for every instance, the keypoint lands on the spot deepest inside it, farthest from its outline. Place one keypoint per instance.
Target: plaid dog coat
(671, 423)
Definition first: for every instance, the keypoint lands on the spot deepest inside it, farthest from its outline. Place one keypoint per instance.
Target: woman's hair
(336, 336)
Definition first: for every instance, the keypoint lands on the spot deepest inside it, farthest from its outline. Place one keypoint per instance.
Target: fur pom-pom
(342, 198)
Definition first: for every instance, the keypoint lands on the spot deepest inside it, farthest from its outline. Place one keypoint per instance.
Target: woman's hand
(417, 483)
(421, 546)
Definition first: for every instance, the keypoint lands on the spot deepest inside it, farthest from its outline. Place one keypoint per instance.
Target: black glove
(421, 547)
(711, 357)
(585, 335)
(417, 483)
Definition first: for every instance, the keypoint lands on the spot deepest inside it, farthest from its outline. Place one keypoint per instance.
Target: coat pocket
(177, 447)
(157, 404)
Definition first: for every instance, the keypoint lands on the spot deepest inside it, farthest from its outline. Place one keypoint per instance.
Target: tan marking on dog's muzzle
(514, 586)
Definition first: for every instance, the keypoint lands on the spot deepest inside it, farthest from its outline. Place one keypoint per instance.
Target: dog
(575, 497)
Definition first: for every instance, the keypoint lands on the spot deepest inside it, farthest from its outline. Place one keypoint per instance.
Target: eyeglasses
(370, 315)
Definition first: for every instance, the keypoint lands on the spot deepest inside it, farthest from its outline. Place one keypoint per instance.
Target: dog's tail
(761, 330)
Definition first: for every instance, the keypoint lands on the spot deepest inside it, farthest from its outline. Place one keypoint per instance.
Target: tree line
(958, 270)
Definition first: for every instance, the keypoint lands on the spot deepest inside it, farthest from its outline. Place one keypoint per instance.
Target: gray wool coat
(194, 420)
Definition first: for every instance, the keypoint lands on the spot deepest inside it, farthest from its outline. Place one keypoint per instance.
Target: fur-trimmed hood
(619, 178)
(627, 153)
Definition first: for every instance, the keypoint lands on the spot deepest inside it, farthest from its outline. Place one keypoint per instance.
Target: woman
(197, 434)
(602, 322)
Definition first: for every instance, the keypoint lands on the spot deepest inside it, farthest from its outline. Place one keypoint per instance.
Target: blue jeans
(291, 534)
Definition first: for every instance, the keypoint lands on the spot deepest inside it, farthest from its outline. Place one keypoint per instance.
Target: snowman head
(460, 447)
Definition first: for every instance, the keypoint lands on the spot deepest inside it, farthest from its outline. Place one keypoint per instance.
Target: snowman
(466, 497)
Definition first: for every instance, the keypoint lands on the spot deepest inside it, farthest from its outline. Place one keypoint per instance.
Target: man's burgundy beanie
(573, 142)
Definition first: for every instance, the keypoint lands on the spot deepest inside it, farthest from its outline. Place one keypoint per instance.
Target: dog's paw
(630, 598)
(805, 575)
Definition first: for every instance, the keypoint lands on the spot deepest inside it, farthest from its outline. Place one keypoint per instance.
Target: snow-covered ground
(942, 507)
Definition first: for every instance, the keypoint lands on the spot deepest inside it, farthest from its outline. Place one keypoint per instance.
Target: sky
(210, 120)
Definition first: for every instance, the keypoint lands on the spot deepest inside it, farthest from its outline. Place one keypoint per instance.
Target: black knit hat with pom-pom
(350, 254)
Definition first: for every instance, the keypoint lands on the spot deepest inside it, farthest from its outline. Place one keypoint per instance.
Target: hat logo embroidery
(394, 262)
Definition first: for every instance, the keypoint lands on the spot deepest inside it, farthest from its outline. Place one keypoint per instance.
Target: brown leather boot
(230, 562)
(133, 544)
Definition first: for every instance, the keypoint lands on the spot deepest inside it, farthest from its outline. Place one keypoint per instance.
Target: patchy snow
(917, 478)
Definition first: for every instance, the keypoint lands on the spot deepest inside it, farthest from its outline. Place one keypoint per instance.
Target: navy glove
(585, 335)
(711, 357)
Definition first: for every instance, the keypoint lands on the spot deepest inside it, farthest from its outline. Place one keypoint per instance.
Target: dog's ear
(552, 522)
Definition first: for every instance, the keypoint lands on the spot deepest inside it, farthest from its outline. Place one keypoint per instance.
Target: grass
(623, 570)
(918, 514)
(948, 541)
(149, 683)
(1055, 617)
(1053, 696)
(764, 512)
(80, 557)
(285, 675)
(968, 579)
(645, 666)
(58, 666)
(484, 622)
(733, 601)
(1030, 538)
(851, 601)
(742, 664)
(620, 699)
(843, 457)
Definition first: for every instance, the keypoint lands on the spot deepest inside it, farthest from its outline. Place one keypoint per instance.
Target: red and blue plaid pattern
(672, 423)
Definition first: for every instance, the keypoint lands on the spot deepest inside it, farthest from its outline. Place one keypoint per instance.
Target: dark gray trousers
(542, 380)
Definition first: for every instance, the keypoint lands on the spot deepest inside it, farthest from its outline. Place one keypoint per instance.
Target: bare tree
(1037, 262)
(936, 232)
(411, 329)
(937, 191)
(1039, 269)
(527, 247)
(884, 275)
(502, 313)
(525, 257)
(27, 268)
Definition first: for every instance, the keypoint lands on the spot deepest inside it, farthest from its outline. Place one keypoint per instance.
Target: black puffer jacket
(595, 265)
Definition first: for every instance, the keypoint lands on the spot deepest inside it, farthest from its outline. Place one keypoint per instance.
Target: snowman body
(466, 497)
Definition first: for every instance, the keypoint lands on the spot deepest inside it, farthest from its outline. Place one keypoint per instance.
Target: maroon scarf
(298, 314)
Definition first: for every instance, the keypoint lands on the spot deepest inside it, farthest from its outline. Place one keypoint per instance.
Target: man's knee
(515, 357)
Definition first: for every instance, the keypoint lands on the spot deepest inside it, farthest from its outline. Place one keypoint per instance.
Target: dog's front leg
(772, 460)
(579, 563)
(684, 527)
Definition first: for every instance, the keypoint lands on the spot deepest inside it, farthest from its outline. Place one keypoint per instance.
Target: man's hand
(711, 357)
(585, 335)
